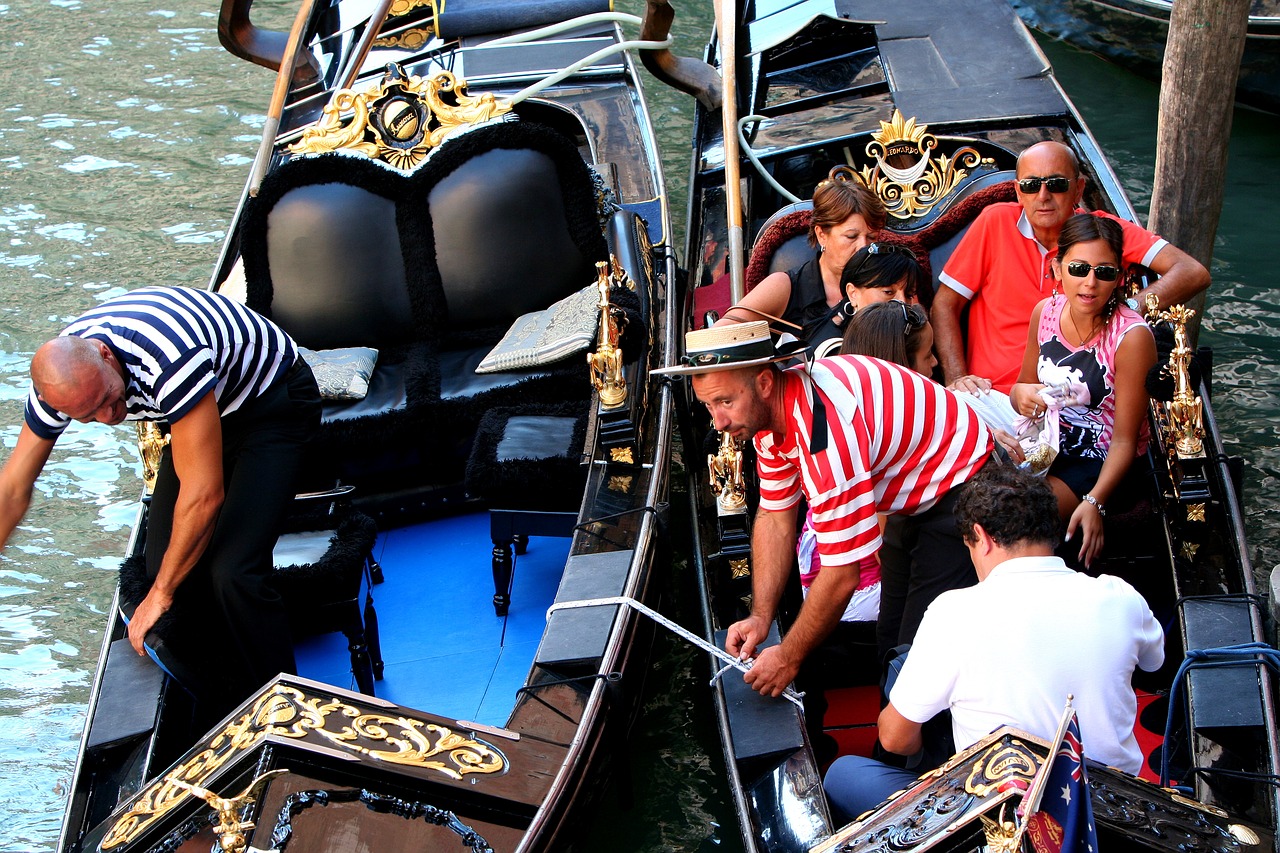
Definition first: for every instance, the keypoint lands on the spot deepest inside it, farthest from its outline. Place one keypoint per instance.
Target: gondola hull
(871, 85)
(427, 214)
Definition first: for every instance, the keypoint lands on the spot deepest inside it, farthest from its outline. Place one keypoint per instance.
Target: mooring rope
(680, 631)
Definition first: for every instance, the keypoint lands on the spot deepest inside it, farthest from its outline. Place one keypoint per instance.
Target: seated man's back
(1010, 650)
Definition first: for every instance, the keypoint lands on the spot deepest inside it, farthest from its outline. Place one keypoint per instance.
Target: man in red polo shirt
(1002, 269)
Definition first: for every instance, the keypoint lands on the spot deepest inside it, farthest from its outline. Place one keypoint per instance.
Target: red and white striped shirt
(896, 442)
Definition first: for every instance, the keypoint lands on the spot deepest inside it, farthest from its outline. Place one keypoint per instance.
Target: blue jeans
(855, 785)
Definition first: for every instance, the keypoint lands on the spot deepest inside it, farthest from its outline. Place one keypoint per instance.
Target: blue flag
(1064, 821)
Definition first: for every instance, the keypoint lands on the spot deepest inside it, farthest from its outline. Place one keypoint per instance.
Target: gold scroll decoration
(906, 176)
(1004, 765)
(285, 711)
(399, 119)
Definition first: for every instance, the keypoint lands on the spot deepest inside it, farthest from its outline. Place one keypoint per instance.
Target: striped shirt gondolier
(176, 344)
(895, 442)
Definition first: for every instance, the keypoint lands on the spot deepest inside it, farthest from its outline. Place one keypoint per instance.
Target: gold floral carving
(411, 39)
(622, 455)
(1195, 512)
(287, 712)
(404, 7)
(740, 568)
(906, 176)
(399, 119)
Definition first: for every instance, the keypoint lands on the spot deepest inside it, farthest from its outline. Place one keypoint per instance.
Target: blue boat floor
(444, 649)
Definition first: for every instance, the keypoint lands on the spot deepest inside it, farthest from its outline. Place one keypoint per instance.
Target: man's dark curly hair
(1012, 505)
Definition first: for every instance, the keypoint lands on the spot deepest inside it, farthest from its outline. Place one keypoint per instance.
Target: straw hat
(730, 347)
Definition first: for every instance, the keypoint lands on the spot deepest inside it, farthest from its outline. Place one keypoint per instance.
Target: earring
(822, 247)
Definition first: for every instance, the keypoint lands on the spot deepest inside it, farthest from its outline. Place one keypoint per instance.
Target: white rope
(563, 26)
(569, 71)
(680, 631)
(755, 161)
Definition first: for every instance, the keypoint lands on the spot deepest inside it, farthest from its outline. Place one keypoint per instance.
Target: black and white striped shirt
(176, 344)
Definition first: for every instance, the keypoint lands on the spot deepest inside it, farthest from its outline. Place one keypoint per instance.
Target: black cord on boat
(609, 677)
(659, 516)
(298, 802)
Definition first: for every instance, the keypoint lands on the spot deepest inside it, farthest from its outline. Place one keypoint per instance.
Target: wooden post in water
(1197, 94)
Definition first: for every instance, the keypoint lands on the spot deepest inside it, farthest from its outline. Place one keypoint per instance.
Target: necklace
(1076, 329)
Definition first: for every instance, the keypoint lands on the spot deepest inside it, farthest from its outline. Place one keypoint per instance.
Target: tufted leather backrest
(498, 222)
(500, 228)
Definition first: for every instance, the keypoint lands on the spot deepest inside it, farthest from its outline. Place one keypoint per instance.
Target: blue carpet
(445, 651)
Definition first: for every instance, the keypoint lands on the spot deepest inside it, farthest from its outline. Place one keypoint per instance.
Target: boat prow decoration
(334, 738)
(970, 802)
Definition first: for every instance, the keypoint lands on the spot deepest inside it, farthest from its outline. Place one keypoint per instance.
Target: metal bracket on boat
(232, 832)
(790, 694)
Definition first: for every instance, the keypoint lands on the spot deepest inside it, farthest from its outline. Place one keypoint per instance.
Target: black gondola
(929, 104)
(443, 186)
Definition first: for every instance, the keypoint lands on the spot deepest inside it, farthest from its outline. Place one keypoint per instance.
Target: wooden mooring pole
(1197, 94)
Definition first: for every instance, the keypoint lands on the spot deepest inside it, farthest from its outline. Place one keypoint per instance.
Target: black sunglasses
(912, 319)
(1103, 272)
(1031, 186)
(879, 249)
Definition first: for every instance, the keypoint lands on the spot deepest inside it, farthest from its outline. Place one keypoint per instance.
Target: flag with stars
(1063, 820)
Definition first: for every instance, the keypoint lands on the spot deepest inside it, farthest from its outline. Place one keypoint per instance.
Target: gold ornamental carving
(285, 711)
(1195, 512)
(605, 362)
(740, 568)
(398, 120)
(907, 176)
(724, 468)
(1001, 767)
(151, 444)
(622, 455)
(1184, 414)
(411, 39)
(233, 833)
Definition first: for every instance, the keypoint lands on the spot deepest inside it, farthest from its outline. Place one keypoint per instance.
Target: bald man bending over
(239, 404)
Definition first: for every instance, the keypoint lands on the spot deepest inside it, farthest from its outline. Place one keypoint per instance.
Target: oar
(284, 75)
(727, 29)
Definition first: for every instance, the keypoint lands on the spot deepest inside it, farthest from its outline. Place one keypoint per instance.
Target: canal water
(125, 137)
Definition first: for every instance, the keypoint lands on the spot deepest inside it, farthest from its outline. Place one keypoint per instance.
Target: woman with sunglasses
(1087, 358)
(846, 215)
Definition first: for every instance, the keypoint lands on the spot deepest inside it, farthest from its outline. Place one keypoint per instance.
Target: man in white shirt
(1010, 650)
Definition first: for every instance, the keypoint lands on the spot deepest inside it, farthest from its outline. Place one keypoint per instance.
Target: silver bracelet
(1098, 504)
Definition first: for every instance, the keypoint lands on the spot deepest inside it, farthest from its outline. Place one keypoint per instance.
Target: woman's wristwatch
(1087, 498)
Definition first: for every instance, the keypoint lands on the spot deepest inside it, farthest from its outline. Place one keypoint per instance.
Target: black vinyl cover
(459, 18)
(983, 64)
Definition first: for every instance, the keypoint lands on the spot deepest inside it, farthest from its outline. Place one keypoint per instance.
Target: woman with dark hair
(846, 215)
(1086, 363)
(894, 331)
(878, 272)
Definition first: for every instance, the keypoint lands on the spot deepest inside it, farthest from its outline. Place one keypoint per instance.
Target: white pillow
(543, 337)
(343, 373)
